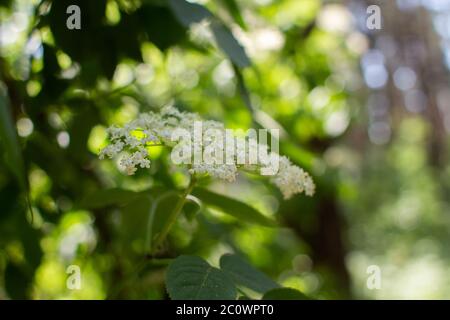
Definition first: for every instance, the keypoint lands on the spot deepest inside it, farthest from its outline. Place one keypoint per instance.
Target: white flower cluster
(180, 130)
(148, 129)
(292, 179)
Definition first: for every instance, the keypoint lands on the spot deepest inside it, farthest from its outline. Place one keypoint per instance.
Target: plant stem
(174, 214)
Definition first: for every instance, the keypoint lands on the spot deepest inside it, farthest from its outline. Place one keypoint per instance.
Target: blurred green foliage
(264, 64)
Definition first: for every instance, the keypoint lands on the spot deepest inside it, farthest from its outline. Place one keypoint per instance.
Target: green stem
(174, 214)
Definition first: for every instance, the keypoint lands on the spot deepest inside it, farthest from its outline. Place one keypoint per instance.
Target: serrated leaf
(284, 294)
(192, 278)
(228, 43)
(245, 275)
(188, 13)
(233, 207)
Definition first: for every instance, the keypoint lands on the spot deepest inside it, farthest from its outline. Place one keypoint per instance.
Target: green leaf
(243, 274)
(192, 278)
(284, 294)
(243, 91)
(160, 213)
(157, 18)
(30, 238)
(144, 218)
(134, 223)
(17, 281)
(191, 207)
(233, 207)
(188, 13)
(116, 197)
(10, 140)
(5, 3)
(228, 43)
(235, 12)
(108, 197)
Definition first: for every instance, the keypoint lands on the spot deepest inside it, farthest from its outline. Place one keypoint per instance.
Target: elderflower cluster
(148, 129)
(292, 179)
(202, 149)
